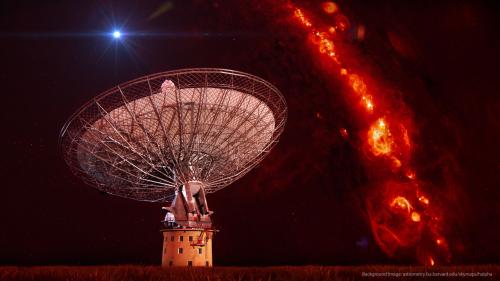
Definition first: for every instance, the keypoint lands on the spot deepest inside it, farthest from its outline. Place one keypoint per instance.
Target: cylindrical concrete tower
(187, 247)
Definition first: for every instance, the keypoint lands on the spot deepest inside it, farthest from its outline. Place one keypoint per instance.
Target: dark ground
(323, 273)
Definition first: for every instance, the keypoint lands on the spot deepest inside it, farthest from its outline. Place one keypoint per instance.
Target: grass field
(136, 272)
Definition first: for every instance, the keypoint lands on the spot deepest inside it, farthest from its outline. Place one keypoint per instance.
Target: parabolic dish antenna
(173, 137)
(146, 138)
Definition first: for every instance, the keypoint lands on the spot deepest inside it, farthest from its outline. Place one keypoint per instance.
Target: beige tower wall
(178, 251)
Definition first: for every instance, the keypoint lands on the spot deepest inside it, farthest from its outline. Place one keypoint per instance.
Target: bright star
(117, 34)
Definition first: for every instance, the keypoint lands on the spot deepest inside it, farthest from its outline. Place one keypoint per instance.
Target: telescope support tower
(187, 228)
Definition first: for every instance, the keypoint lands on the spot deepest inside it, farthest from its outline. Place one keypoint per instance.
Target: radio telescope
(173, 137)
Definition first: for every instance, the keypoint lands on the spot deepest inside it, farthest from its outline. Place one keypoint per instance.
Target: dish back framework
(173, 137)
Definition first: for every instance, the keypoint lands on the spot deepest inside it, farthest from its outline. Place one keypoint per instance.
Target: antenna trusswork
(146, 138)
(173, 137)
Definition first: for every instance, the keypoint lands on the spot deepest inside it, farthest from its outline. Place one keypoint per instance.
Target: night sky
(304, 203)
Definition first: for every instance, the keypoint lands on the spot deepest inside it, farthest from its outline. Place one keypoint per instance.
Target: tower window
(199, 251)
(172, 238)
(190, 263)
(207, 264)
(190, 238)
(180, 250)
(181, 238)
(170, 263)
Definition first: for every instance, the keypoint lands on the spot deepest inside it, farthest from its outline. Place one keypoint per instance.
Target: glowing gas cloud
(403, 218)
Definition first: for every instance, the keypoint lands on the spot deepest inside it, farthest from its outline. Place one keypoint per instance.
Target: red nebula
(390, 217)
(404, 222)
(390, 141)
(403, 219)
(329, 7)
(344, 133)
